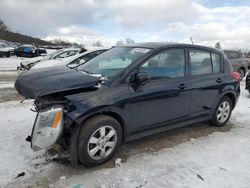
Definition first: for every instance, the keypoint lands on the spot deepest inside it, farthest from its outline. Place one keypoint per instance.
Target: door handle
(219, 80)
(182, 86)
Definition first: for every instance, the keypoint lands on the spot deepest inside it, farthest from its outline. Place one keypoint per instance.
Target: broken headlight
(47, 128)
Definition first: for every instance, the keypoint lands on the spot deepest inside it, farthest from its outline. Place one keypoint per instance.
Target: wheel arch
(232, 97)
(108, 112)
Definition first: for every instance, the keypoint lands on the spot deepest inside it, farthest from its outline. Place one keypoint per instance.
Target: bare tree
(119, 43)
(97, 43)
(129, 41)
(3, 26)
(217, 45)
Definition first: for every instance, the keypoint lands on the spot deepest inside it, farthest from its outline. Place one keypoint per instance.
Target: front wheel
(98, 140)
(222, 112)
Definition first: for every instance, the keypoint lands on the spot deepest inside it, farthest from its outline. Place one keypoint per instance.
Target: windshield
(112, 61)
(54, 53)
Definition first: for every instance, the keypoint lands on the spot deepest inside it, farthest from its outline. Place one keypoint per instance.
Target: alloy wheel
(223, 111)
(102, 143)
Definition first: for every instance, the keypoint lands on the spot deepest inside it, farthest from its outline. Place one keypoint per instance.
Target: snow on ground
(218, 160)
(15, 152)
(6, 84)
(10, 63)
(221, 159)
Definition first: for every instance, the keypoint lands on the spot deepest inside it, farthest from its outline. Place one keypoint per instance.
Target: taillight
(235, 75)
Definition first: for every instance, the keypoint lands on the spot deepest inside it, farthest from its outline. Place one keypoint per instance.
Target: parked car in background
(248, 60)
(238, 60)
(248, 82)
(29, 51)
(58, 54)
(6, 50)
(127, 93)
(41, 51)
(71, 62)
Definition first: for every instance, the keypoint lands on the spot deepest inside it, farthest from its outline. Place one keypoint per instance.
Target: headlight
(47, 128)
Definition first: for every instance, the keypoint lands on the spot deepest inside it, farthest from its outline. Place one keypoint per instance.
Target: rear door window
(201, 62)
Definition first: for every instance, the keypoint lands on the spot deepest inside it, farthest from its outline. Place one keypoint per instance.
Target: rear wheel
(98, 140)
(222, 112)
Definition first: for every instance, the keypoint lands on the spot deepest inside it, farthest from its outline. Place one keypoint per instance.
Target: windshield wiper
(84, 71)
(91, 74)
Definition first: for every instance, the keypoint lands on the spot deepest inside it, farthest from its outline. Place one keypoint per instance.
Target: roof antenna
(191, 40)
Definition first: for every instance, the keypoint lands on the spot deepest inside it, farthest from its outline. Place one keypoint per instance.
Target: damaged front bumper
(47, 128)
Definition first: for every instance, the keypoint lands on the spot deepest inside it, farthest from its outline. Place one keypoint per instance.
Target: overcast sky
(84, 21)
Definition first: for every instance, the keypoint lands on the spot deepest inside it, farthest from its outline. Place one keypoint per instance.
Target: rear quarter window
(216, 62)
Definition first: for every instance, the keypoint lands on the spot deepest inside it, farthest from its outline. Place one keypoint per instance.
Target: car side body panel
(139, 112)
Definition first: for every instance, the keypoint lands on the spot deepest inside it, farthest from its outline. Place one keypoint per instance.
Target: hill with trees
(10, 36)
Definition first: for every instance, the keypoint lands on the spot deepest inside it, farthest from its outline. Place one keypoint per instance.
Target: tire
(221, 120)
(8, 54)
(242, 73)
(94, 146)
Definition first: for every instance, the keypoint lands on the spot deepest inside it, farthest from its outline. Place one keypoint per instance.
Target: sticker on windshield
(140, 50)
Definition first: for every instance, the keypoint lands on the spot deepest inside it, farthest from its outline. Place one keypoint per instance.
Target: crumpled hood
(40, 82)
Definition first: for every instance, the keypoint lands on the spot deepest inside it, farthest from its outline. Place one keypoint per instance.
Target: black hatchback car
(127, 93)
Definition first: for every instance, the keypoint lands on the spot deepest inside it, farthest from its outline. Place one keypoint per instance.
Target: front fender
(102, 101)
(79, 115)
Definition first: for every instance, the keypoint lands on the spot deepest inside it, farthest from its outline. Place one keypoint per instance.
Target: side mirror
(139, 78)
(142, 77)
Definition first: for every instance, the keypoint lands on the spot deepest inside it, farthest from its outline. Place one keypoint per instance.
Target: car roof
(155, 45)
(27, 45)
